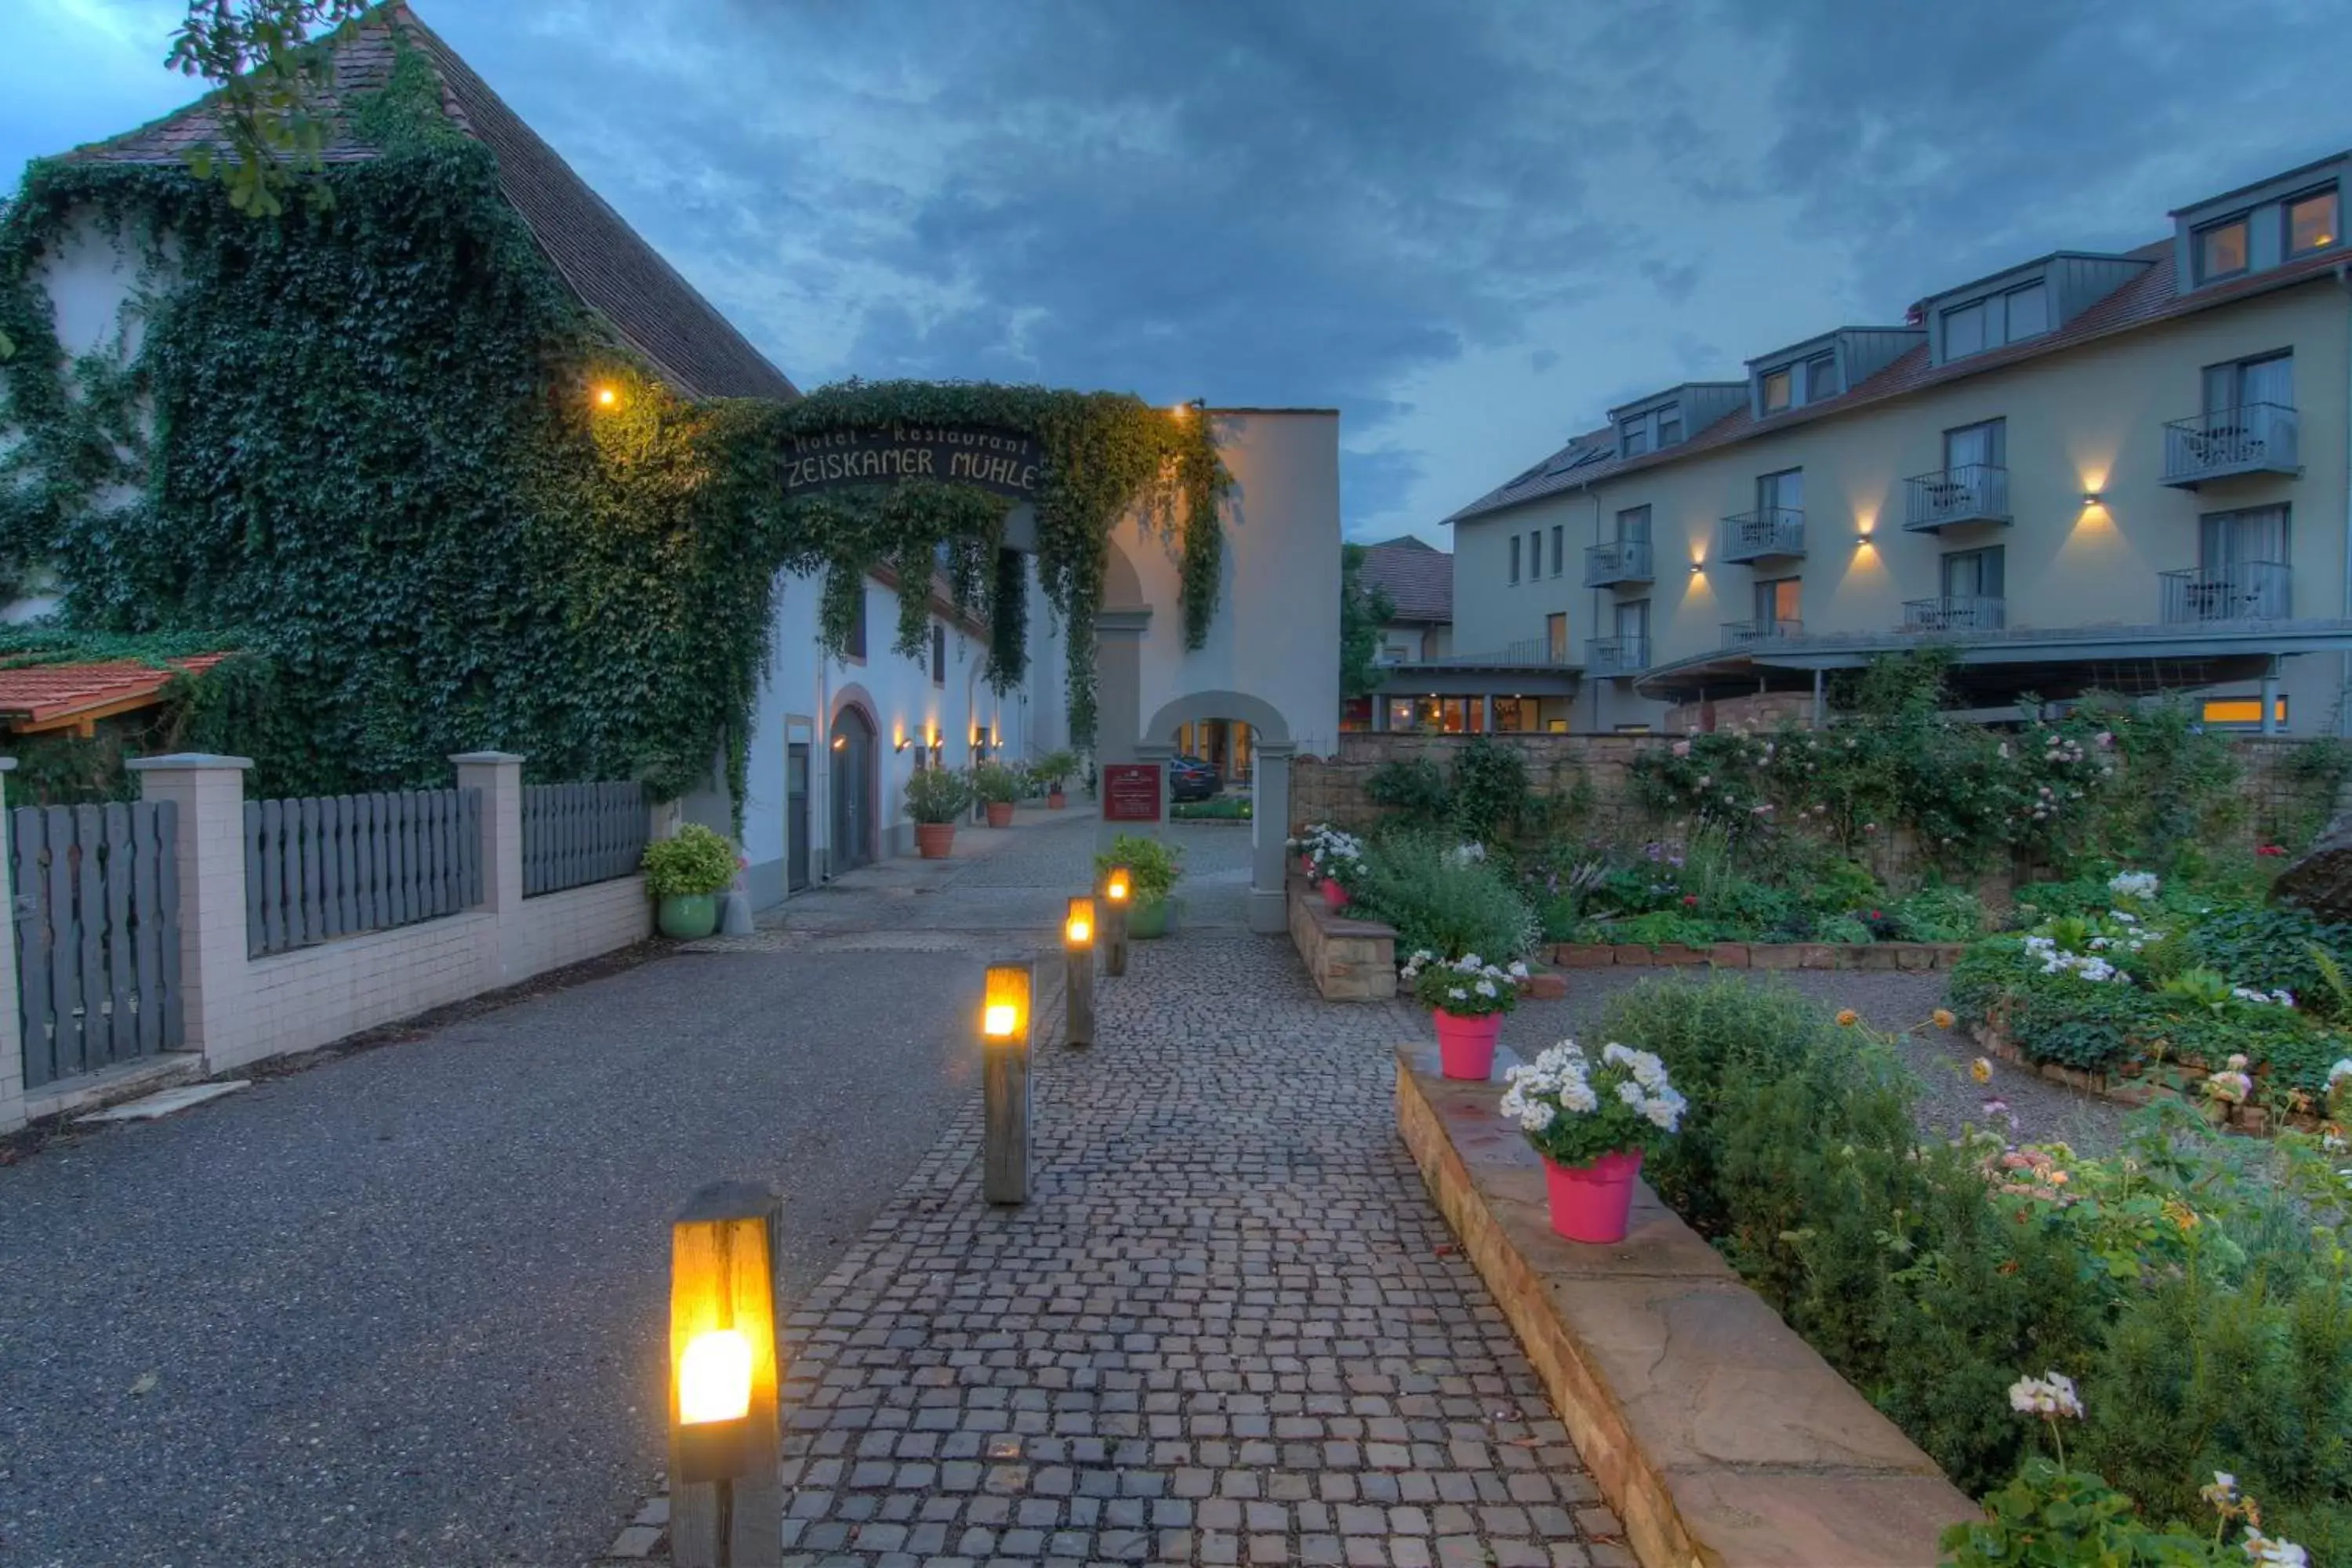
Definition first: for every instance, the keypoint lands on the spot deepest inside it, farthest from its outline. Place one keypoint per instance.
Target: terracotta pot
(1465, 1047)
(687, 917)
(1056, 800)
(1335, 897)
(1000, 814)
(1591, 1203)
(935, 840)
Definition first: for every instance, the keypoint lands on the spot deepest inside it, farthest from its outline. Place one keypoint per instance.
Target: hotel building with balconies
(2115, 471)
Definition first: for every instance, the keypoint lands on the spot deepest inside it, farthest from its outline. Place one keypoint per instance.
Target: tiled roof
(1418, 580)
(43, 696)
(606, 262)
(2147, 298)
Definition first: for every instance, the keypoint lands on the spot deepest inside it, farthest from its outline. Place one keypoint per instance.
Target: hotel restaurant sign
(1003, 461)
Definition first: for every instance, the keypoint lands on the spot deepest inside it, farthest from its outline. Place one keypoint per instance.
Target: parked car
(1190, 778)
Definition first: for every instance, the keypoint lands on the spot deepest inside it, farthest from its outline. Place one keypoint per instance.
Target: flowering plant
(1467, 987)
(1332, 856)
(1574, 1109)
(2141, 884)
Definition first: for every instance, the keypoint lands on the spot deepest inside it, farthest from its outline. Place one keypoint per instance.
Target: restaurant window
(1517, 716)
(2242, 711)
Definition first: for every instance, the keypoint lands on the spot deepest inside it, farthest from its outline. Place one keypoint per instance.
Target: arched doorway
(853, 790)
(1251, 741)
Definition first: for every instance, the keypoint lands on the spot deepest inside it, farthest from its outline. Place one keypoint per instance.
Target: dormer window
(2221, 250)
(2312, 222)
(1778, 387)
(1820, 378)
(1634, 434)
(1670, 425)
(1996, 319)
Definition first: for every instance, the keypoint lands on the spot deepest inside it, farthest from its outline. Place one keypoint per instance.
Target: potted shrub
(1153, 870)
(685, 873)
(1591, 1121)
(1056, 768)
(998, 786)
(935, 799)
(1466, 998)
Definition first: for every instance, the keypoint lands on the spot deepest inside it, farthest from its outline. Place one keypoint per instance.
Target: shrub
(1490, 792)
(1937, 913)
(1415, 789)
(1056, 768)
(998, 784)
(1440, 900)
(1154, 867)
(692, 862)
(938, 795)
(2271, 950)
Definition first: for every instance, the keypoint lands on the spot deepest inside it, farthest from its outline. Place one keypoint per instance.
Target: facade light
(2093, 498)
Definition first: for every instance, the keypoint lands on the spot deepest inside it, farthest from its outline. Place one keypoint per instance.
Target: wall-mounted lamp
(1698, 567)
(933, 740)
(2094, 497)
(841, 742)
(902, 743)
(723, 1436)
(1863, 538)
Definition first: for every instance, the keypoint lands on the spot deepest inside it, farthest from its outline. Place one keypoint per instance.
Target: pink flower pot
(1307, 865)
(1590, 1203)
(1335, 897)
(1465, 1047)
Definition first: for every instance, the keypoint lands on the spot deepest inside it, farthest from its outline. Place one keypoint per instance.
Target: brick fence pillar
(213, 956)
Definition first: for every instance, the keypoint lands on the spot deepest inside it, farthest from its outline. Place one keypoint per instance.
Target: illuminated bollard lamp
(726, 1496)
(1004, 1083)
(1118, 884)
(1078, 982)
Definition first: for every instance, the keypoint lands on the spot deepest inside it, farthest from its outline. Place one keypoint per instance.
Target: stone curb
(2254, 1120)
(1915, 957)
(1718, 1436)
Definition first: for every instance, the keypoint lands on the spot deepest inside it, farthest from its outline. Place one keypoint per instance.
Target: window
(2230, 541)
(1535, 553)
(1777, 387)
(1669, 424)
(2244, 384)
(1556, 638)
(1974, 573)
(855, 647)
(1557, 541)
(1964, 330)
(1514, 558)
(2311, 222)
(1973, 446)
(1634, 619)
(1820, 378)
(1783, 491)
(1518, 715)
(2029, 311)
(1634, 435)
(938, 653)
(2246, 711)
(1399, 713)
(1778, 602)
(1633, 522)
(2221, 249)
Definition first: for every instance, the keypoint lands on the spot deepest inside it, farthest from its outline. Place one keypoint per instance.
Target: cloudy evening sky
(1472, 228)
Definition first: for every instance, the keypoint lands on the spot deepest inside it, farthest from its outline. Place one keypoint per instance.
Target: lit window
(2311, 222)
(2221, 250)
(1635, 434)
(2029, 311)
(1964, 330)
(1776, 391)
(2245, 710)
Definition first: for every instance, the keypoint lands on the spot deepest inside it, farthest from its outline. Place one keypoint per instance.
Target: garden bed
(2127, 1090)
(1915, 956)
(1718, 1435)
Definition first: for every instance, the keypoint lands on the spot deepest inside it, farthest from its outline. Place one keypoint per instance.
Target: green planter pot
(688, 916)
(1145, 922)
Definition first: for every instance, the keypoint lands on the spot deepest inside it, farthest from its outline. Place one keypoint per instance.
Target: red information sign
(1130, 791)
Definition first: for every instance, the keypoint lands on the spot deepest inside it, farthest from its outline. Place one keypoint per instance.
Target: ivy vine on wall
(357, 442)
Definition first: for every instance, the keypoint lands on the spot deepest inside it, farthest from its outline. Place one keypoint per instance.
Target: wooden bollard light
(1078, 986)
(1004, 1084)
(724, 1442)
(1116, 886)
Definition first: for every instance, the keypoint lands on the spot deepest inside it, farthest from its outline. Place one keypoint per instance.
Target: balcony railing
(1766, 531)
(2245, 591)
(1616, 656)
(2252, 438)
(1619, 561)
(1740, 634)
(1525, 653)
(1973, 492)
(1955, 613)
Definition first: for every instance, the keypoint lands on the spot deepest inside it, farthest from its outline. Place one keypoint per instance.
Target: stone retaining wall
(1348, 960)
(1718, 1435)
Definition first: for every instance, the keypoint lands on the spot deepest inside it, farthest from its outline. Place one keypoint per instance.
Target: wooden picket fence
(575, 834)
(332, 866)
(98, 934)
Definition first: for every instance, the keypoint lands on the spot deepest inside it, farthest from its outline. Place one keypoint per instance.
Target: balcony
(2245, 591)
(1973, 492)
(1616, 656)
(1762, 534)
(1619, 561)
(1529, 652)
(1955, 613)
(2252, 438)
(1745, 634)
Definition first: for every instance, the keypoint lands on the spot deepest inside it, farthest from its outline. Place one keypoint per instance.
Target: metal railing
(1527, 651)
(1767, 530)
(2248, 439)
(2243, 591)
(1740, 634)
(1955, 613)
(1616, 656)
(1618, 561)
(1973, 492)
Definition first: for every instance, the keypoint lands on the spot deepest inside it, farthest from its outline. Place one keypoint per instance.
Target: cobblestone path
(1228, 1327)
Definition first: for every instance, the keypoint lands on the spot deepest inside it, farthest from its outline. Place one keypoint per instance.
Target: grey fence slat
(146, 890)
(436, 818)
(29, 824)
(373, 907)
(270, 889)
(347, 862)
(470, 843)
(395, 829)
(89, 920)
(314, 904)
(335, 890)
(121, 970)
(65, 973)
(165, 823)
(322, 864)
(255, 942)
(421, 872)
